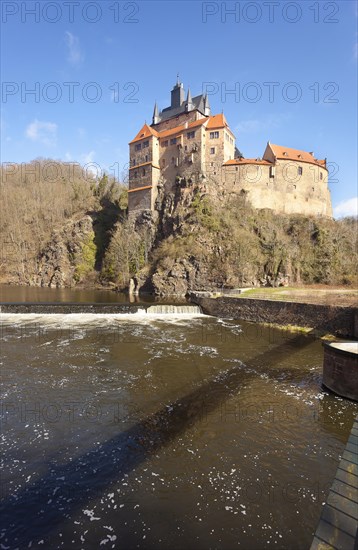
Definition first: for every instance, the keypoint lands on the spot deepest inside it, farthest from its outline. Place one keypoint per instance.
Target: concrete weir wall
(339, 321)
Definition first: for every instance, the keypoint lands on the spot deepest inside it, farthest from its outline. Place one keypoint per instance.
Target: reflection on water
(10, 293)
(164, 432)
(37, 294)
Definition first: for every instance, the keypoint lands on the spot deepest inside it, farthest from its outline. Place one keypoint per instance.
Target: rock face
(58, 262)
(176, 280)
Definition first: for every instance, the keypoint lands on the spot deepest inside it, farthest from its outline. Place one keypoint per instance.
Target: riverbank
(317, 319)
(308, 294)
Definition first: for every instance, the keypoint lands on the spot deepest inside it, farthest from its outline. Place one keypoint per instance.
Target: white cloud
(92, 167)
(87, 158)
(346, 208)
(75, 54)
(81, 132)
(248, 126)
(267, 123)
(42, 132)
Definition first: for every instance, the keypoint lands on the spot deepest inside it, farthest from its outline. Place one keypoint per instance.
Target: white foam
(96, 319)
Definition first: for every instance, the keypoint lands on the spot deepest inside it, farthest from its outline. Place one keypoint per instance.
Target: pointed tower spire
(189, 102)
(207, 110)
(155, 119)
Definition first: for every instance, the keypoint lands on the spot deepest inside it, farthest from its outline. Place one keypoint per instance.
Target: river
(161, 430)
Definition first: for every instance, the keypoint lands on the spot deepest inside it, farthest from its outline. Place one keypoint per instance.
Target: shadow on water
(43, 506)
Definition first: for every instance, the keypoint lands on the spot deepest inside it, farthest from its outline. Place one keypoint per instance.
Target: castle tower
(177, 95)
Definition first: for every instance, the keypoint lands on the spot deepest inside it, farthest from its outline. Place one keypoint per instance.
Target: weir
(169, 309)
(99, 308)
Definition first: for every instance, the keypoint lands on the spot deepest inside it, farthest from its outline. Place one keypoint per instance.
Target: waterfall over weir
(169, 309)
(156, 310)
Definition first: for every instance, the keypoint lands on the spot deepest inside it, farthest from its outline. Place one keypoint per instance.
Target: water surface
(163, 431)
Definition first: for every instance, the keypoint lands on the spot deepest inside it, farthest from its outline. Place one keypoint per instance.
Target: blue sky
(98, 67)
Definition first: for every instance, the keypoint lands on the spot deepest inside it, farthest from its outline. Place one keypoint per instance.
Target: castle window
(173, 141)
(321, 176)
(190, 135)
(163, 162)
(143, 172)
(165, 143)
(173, 160)
(214, 135)
(138, 146)
(146, 158)
(145, 144)
(135, 174)
(212, 150)
(300, 170)
(133, 162)
(272, 171)
(185, 148)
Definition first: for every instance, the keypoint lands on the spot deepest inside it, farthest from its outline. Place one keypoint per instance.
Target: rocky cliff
(76, 232)
(200, 241)
(69, 257)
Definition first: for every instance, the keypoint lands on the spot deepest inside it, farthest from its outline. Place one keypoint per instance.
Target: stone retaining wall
(339, 321)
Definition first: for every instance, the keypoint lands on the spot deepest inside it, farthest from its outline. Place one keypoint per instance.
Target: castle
(187, 146)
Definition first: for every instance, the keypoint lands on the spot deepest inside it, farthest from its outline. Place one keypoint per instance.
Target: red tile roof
(145, 132)
(217, 121)
(287, 153)
(144, 164)
(182, 128)
(139, 188)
